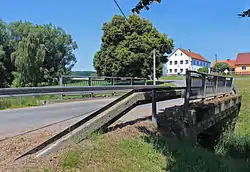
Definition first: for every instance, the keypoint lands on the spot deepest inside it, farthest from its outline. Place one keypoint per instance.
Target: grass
(173, 77)
(14, 102)
(113, 154)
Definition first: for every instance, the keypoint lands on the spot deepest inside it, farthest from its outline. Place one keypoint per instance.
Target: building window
(193, 62)
(186, 61)
(181, 70)
(186, 69)
(244, 68)
(170, 63)
(175, 70)
(170, 70)
(175, 62)
(181, 62)
(181, 54)
(175, 54)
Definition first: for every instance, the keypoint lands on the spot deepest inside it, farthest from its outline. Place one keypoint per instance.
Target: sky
(207, 27)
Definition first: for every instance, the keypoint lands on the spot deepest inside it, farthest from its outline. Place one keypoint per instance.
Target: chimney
(228, 59)
(189, 50)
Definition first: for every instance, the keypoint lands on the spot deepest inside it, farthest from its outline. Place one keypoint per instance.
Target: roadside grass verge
(173, 77)
(14, 102)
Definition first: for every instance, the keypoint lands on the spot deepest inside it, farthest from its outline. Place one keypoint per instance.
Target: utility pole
(154, 105)
(216, 58)
(154, 72)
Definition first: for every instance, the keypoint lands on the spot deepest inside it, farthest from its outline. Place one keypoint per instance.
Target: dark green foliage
(144, 4)
(31, 55)
(127, 48)
(203, 69)
(6, 66)
(245, 13)
(221, 67)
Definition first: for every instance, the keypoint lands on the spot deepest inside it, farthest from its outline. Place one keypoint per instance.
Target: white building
(182, 60)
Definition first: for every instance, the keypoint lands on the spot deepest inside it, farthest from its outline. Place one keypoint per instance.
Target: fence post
(21, 100)
(204, 86)
(131, 81)
(187, 94)
(61, 85)
(154, 107)
(90, 81)
(225, 85)
(113, 81)
(145, 81)
(216, 85)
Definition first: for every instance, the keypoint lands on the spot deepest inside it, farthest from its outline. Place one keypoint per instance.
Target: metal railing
(66, 80)
(203, 85)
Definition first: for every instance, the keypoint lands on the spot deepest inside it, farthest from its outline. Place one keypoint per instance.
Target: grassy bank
(139, 148)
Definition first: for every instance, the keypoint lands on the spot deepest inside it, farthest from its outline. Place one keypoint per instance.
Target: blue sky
(204, 26)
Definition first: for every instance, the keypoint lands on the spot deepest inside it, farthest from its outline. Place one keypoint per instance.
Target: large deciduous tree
(6, 65)
(127, 48)
(41, 53)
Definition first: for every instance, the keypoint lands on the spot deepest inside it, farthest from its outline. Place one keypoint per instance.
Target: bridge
(210, 104)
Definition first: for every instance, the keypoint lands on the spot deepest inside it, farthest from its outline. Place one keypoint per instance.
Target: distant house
(230, 62)
(242, 65)
(182, 60)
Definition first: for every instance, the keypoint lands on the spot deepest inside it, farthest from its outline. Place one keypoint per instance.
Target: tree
(29, 59)
(203, 69)
(42, 53)
(6, 65)
(127, 48)
(221, 67)
(144, 4)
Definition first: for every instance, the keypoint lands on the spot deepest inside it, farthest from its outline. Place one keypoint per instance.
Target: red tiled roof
(231, 63)
(243, 58)
(194, 55)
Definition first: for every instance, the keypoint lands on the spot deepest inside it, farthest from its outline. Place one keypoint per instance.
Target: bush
(203, 70)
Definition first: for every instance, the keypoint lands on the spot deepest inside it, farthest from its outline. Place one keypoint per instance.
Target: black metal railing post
(154, 107)
(187, 94)
(204, 86)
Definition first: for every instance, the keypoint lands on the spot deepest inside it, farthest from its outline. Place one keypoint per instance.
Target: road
(17, 121)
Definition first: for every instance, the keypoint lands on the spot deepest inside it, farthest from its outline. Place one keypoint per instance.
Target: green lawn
(173, 77)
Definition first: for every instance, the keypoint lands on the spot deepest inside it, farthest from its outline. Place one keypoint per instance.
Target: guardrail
(35, 91)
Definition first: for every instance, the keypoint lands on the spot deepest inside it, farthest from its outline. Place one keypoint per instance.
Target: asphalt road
(17, 121)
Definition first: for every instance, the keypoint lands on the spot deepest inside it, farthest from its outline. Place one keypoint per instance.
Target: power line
(121, 10)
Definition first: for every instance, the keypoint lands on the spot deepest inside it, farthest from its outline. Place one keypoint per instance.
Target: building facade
(182, 60)
(242, 65)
